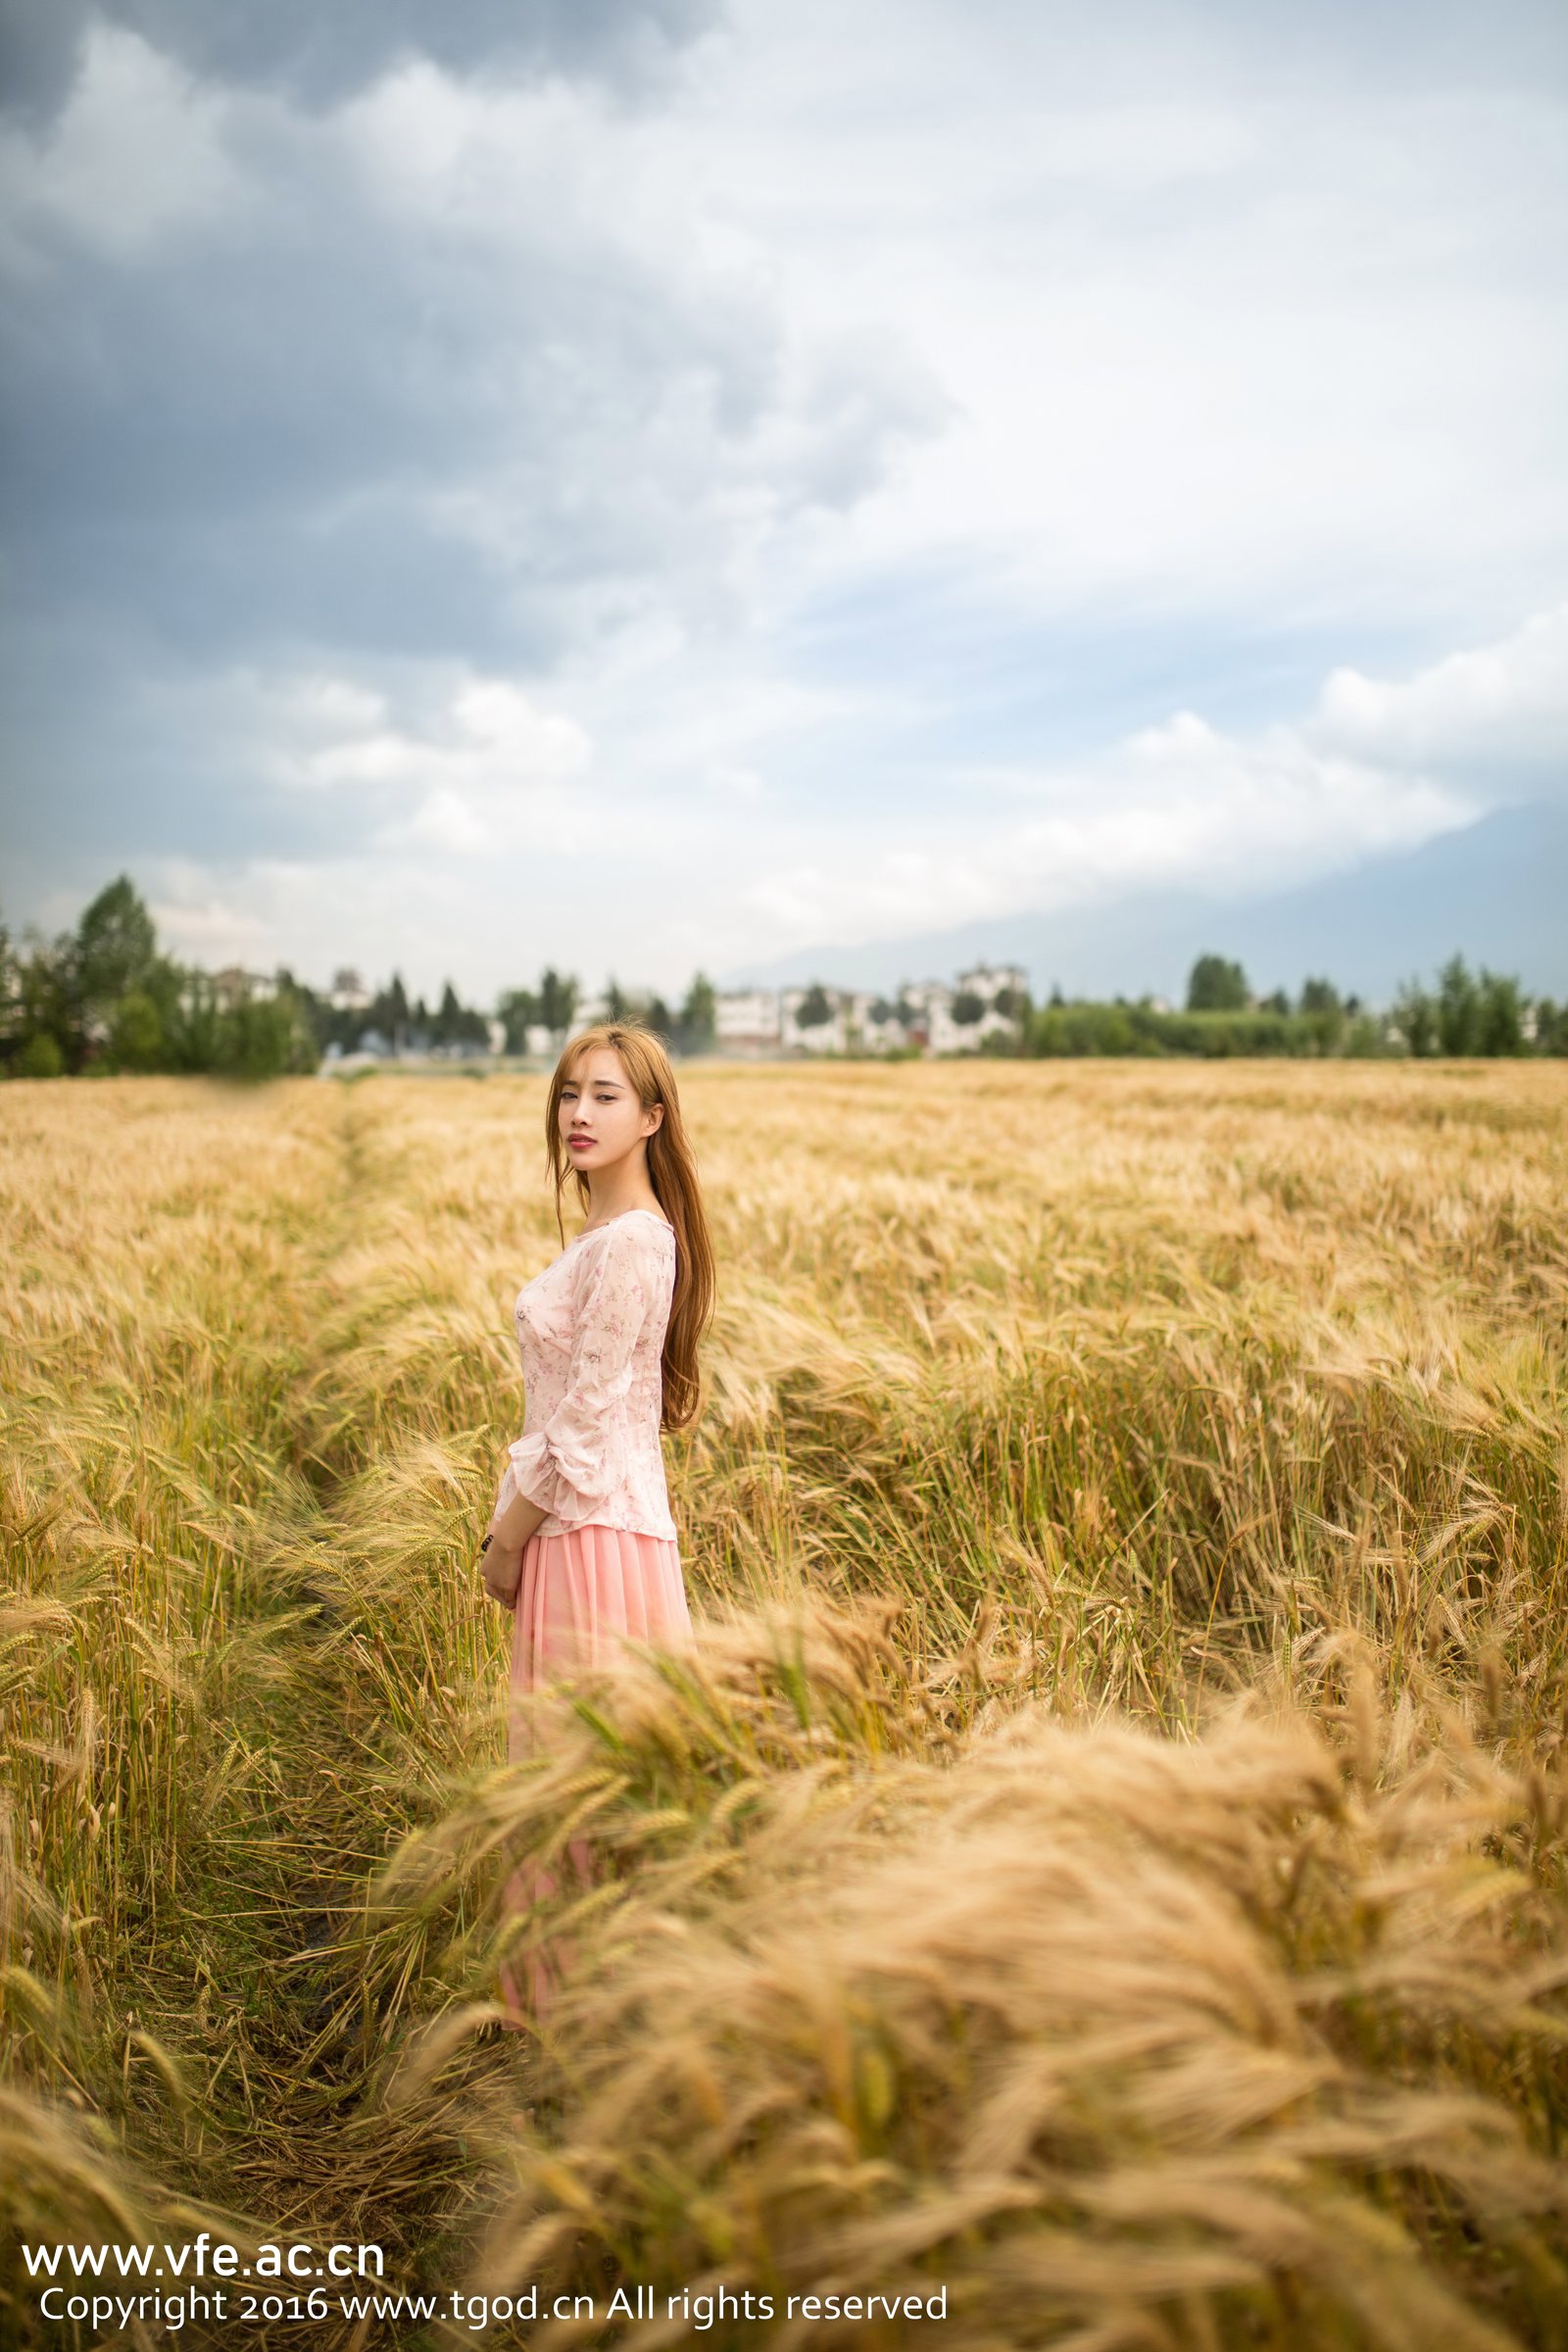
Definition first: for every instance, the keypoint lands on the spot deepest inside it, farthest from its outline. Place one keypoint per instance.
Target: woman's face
(602, 1120)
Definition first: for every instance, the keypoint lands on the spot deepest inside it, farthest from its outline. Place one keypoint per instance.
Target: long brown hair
(673, 1173)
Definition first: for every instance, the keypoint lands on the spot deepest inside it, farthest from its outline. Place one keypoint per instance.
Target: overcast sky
(641, 483)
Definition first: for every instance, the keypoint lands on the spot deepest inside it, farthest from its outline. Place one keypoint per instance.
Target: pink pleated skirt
(581, 1595)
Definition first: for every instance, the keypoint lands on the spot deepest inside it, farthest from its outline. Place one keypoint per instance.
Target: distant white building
(988, 983)
(235, 986)
(745, 1020)
(873, 1022)
(921, 1013)
(933, 1027)
(992, 980)
(828, 1036)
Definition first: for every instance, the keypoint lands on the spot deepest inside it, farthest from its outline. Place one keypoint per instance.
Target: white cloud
(445, 820)
(1216, 332)
(733, 782)
(1144, 145)
(487, 777)
(1380, 764)
(137, 159)
(1497, 714)
(329, 705)
(485, 832)
(198, 924)
(1178, 807)
(507, 725)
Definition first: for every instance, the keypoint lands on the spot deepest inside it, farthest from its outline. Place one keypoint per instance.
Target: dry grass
(1108, 1850)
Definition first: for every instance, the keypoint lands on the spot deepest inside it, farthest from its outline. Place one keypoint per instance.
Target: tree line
(1465, 1014)
(105, 996)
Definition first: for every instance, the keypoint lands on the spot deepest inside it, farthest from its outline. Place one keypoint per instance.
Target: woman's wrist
(513, 1522)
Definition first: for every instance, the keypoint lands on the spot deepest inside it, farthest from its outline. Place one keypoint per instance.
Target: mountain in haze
(1497, 891)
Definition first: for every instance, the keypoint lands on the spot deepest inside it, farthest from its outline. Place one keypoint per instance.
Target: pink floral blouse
(591, 1336)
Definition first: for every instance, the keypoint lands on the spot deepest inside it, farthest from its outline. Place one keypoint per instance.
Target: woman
(581, 1543)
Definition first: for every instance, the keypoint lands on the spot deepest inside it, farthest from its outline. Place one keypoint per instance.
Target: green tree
(1364, 1039)
(1048, 1031)
(1499, 1016)
(518, 1012)
(558, 1000)
(11, 986)
(1552, 1026)
(116, 944)
(814, 1010)
(136, 1033)
(697, 1027)
(264, 1037)
(1215, 985)
(318, 1014)
(1415, 1019)
(456, 1024)
(46, 1004)
(390, 1013)
(1322, 1014)
(448, 1017)
(1458, 1009)
(190, 1024)
(969, 1007)
(40, 1058)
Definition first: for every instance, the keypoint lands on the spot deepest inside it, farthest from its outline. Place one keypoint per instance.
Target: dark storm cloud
(40, 44)
(320, 51)
(449, 442)
(327, 417)
(311, 414)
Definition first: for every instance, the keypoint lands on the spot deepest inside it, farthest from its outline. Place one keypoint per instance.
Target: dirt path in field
(292, 2140)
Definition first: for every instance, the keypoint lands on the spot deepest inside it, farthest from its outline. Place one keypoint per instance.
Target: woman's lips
(579, 1142)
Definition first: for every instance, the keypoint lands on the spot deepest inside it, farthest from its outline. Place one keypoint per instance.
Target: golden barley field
(1105, 1855)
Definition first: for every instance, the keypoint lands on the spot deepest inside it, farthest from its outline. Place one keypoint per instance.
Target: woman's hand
(512, 1525)
(501, 1566)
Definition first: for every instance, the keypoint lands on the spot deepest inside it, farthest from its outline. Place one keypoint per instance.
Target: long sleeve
(576, 1460)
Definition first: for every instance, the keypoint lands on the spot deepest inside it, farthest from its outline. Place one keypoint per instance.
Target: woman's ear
(655, 1112)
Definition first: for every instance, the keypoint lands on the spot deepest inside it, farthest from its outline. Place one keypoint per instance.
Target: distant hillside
(1499, 892)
